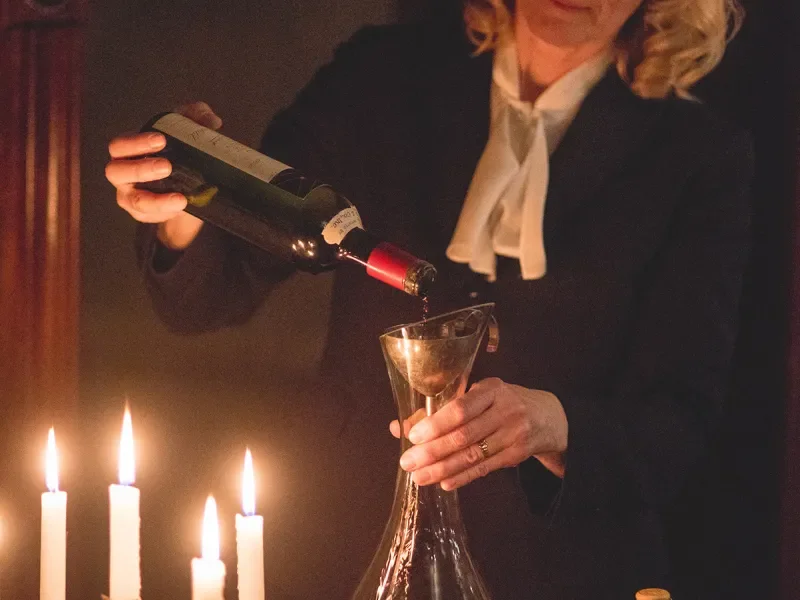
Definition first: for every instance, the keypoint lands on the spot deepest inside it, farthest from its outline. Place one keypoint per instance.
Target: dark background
(197, 401)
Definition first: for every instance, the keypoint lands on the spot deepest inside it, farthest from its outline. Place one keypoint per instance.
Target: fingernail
(162, 169)
(156, 141)
(421, 478)
(407, 463)
(178, 199)
(417, 434)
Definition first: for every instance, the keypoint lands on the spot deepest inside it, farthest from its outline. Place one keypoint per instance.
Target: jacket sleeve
(220, 281)
(633, 449)
(217, 281)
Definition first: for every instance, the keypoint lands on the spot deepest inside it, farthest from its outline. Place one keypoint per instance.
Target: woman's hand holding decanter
(494, 425)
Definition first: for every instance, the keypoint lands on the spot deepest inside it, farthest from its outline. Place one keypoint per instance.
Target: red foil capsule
(390, 264)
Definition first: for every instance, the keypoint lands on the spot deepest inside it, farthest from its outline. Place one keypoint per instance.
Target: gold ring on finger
(484, 446)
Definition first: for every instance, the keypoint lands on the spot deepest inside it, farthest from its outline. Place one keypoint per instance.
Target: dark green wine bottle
(275, 207)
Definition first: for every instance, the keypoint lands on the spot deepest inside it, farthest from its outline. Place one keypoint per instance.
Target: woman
(564, 173)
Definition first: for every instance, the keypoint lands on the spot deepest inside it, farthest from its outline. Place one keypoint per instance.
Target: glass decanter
(423, 553)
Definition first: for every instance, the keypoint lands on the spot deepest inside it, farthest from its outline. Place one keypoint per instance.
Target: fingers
(143, 205)
(516, 423)
(127, 146)
(456, 412)
(460, 445)
(129, 165)
(127, 171)
(503, 459)
(415, 418)
(201, 113)
(138, 144)
(147, 207)
(463, 460)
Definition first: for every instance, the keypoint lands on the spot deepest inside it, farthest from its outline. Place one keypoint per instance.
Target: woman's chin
(562, 29)
(562, 36)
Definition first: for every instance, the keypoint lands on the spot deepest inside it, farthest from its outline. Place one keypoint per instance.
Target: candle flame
(210, 531)
(51, 466)
(127, 467)
(248, 486)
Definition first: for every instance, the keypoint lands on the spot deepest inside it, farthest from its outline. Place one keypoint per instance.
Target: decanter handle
(493, 331)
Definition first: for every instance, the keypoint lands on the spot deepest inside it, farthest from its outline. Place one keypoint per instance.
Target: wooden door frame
(41, 70)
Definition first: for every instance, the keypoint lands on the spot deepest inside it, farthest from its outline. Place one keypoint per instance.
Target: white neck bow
(503, 212)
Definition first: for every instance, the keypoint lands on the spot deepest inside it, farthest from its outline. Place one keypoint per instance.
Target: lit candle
(124, 574)
(250, 539)
(53, 565)
(208, 572)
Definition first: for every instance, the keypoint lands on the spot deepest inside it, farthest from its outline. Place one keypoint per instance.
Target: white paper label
(340, 225)
(220, 147)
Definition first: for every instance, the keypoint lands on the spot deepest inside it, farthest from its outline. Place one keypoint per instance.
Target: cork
(653, 594)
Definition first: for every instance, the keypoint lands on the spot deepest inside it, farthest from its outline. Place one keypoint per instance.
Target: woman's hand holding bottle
(179, 165)
(130, 164)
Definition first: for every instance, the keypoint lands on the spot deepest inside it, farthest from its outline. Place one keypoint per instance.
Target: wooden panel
(14, 13)
(40, 70)
(39, 230)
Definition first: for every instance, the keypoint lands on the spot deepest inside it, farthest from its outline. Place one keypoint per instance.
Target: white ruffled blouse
(503, 212)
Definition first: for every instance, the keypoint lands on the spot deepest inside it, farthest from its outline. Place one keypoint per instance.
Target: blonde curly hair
(665, 47)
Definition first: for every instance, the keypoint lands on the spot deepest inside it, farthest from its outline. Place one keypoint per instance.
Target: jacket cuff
(166, 269)
(596, 466)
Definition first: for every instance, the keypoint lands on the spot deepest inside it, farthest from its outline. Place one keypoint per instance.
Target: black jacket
(646, 231)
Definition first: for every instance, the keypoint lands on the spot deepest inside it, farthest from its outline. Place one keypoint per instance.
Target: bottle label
(339, 226)
(220, 147)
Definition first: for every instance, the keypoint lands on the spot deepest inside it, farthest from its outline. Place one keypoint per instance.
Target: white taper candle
(250, 539)
(124, 564)
(53, 564)
(208, 572)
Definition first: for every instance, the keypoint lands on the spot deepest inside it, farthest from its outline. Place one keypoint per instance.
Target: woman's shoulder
(706, 130)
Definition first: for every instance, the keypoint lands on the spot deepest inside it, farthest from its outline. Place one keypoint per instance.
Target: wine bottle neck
(388, 263)
(358, 244)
